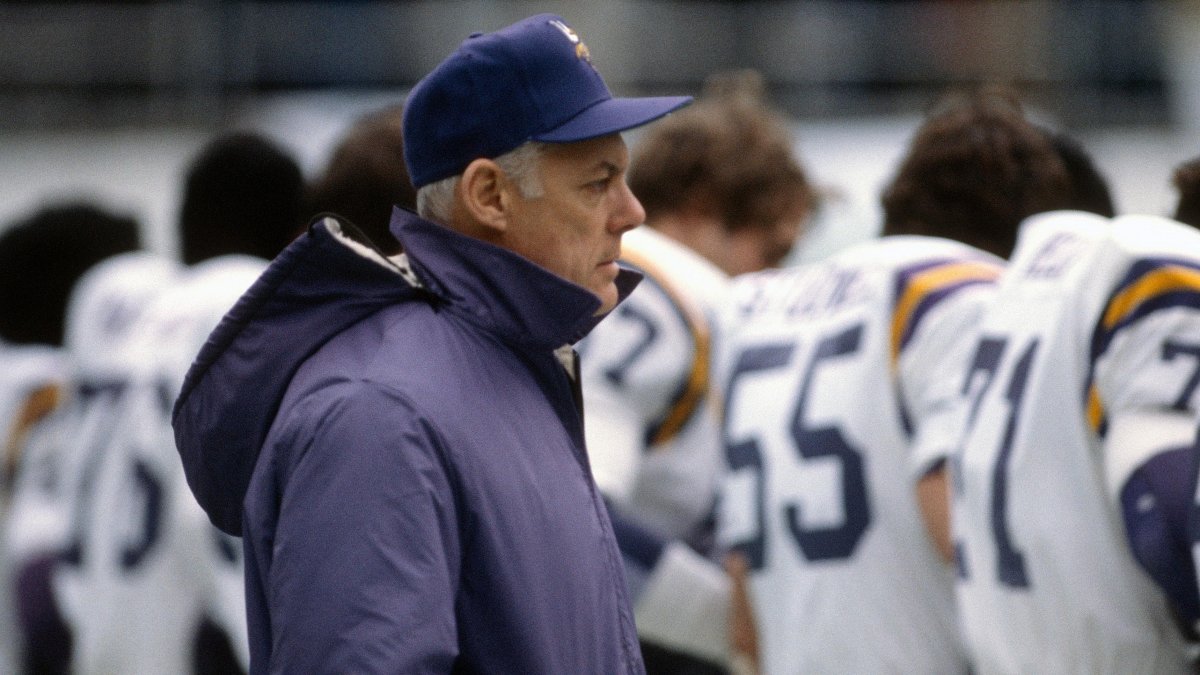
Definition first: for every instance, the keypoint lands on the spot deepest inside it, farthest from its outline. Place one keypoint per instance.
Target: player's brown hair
(974, 170)
(729, 153)
(366, 176)
(1186, 180)
(1088, 185)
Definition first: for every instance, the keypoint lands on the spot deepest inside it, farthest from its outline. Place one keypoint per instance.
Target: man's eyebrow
(609, 167)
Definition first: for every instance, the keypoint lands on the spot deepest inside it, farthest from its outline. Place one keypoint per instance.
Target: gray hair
(435, 201)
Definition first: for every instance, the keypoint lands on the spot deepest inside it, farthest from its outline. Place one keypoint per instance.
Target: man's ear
(484, 186)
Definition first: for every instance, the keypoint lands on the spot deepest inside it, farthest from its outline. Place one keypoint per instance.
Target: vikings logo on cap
(581, 50)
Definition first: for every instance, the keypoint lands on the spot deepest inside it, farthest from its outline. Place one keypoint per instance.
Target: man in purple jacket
(399, 440)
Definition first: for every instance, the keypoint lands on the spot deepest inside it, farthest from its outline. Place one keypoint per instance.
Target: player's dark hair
(366, 176)
(44, 254)
(974, 170)
(1186, 180)
(1089, 189)
(729, 154)
(242, 194)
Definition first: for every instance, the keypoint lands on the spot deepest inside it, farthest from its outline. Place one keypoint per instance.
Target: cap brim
(611, 116)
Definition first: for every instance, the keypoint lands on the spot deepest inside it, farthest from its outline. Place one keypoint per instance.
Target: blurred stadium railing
(118, 63)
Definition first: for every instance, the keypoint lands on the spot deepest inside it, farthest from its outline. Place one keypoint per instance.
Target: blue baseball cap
(531, 81)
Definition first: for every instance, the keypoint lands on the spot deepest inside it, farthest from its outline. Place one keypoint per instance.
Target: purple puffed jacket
(402, 452)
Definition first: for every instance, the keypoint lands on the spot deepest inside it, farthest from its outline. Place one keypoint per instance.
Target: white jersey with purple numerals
(147, 564)
(840, 393)
(1094, 320)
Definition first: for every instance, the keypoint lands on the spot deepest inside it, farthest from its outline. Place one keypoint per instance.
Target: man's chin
(608, 300)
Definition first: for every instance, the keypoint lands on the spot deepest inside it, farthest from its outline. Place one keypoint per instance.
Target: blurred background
(109, 100)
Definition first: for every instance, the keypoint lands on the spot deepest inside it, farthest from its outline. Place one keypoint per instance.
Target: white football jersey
(150, 565)
(31, 369)
(103, 306)
(839, 380)
(1094, 319)
(33, 378)
(101, 310)
(645, 371)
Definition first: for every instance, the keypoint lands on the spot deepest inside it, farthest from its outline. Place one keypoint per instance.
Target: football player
(840, 383)
(42, 257)
(152, 585)
(150, 577)
(1081, 391)
(45, 530)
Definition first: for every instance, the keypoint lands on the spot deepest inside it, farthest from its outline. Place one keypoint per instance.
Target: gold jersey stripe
(930, 281)
(698, 378)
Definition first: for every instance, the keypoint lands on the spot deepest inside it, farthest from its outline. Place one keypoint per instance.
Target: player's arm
(933, 499)
(930, 366)
(1150, 465)
(365, 557)
(683, 602)
(743, 626)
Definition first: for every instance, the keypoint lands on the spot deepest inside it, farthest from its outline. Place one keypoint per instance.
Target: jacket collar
(497, 289)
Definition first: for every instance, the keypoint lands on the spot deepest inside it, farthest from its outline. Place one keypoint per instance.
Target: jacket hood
(324, 282)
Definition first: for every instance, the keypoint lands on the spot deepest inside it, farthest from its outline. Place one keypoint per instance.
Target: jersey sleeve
(1145, 348)
(934, 326)
(1143, 370)
(1145, 363)
(1141, 401)
(645, 372)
